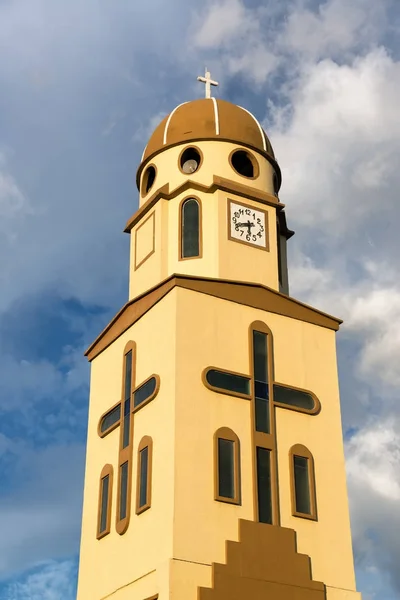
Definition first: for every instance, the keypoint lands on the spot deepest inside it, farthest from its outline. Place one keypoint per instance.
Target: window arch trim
(227, 434)
(107, 471)
(303, 452)
(200, 230)
(145, 442)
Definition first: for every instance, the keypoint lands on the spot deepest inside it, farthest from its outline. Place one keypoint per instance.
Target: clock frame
(252, 208)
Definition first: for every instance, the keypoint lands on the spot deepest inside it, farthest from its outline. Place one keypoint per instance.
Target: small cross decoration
(208, 81)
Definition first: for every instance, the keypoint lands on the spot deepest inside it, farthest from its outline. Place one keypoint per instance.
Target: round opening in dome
(190, 160)
(148, 179)
(244, 163)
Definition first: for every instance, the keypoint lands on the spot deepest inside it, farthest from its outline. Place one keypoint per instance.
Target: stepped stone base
(263, 565)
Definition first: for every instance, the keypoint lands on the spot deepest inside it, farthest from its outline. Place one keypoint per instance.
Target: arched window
(279, 250)
(226, 466)
(190, 241)
(144, 468)
(105, 495)
(301, 464)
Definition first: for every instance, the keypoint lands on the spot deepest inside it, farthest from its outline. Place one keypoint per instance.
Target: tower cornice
(219, 183)
(248, 294)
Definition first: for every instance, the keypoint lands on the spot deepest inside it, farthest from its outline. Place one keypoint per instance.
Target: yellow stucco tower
(215, 466)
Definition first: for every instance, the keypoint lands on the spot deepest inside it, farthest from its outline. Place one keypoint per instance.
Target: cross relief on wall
(122, 415)
(265, 394)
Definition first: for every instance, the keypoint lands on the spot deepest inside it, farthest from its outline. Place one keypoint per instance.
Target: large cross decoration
(133, 399)
(265, 394)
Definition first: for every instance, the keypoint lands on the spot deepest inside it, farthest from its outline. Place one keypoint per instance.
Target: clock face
(247, 225)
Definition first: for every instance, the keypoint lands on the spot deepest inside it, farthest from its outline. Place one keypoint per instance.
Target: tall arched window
(144, 469)
(105, 494)
(190, 234)
(301, 464)
(227, 466)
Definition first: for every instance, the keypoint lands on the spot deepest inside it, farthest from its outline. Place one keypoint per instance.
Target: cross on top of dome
(208, 81)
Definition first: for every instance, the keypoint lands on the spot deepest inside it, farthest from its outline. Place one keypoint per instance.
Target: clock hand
(248, 224)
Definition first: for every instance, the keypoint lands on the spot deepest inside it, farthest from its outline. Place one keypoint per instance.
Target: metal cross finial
(208, 81)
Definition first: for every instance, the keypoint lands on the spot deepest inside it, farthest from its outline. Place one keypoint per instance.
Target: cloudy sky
(82, 84)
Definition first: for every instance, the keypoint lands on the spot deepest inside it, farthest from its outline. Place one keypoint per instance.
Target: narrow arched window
(226, 466)
(190, 228)
(279, 252)
(302, 482)
(104, 510)
(144, 469)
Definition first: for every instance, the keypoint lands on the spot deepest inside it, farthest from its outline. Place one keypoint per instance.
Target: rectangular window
(127, 422)
(127, 400)
(261, 387)
(123, 498)
(302, 485)
(104, 491)
(226, 468)
(263, 458)
(144, 460)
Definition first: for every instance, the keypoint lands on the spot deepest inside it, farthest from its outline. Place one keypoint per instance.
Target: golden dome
(209, 119)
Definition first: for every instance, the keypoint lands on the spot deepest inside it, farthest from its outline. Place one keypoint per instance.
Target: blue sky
(82, 85)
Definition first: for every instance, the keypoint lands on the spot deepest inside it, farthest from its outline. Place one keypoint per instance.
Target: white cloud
(374, 460)
(223, 23)
(332, 27)
(373, 466)
(339, 149)
(13, 202)
(369, 308)
(52, 581)
(229, 26)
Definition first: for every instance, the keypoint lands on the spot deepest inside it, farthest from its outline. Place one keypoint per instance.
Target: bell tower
(215, 465)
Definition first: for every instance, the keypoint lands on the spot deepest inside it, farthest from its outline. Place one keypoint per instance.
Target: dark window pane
(242, 163)
(228, 381)
(190, 229)
(123, 497)
(226, 468)
(127, 423)
(105, 482)
(293, 397)
(128, 375)
(262, 415)
(144, 392)
(110, 418)
(302, 485)
(260, 356)
(144, 457)
(264, 485)
(261, 390)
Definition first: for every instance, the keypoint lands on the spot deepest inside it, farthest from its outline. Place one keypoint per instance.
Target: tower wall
(155, 238)
(115, 561)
